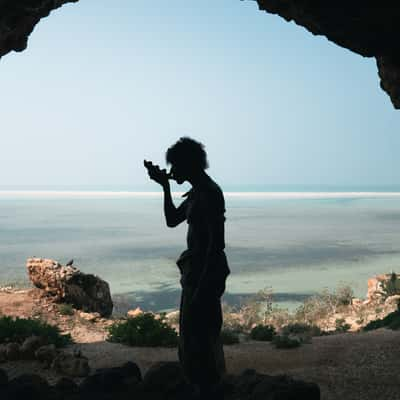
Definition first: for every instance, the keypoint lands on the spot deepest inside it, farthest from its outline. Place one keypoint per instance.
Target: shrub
(18, 329)
(319, 306)
(143, 330)
(65, 309)
(343, 295)
(229, 336)
(392, 286)
(391, 321)
(299, 328)
(341, 326)
(263, 333)
(286, 342)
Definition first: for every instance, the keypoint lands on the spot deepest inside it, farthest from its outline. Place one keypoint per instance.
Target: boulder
(30, 345)
(66, 386)
(46, 354)
(3, 378)
(66, 284)
(28, 386)
(164, 377)
(71, 365)
(12, 351)
(117, 379)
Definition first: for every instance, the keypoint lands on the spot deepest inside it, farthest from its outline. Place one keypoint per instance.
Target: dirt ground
(348, 366)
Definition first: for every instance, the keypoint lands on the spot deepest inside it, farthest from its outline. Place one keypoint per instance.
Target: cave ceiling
(368, 28)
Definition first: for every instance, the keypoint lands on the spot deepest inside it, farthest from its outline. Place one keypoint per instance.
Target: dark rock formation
(163, 381)
(69, 285)
(367, 27)
(18, 19)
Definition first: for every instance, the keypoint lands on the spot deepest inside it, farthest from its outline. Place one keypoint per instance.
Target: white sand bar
(124, 194)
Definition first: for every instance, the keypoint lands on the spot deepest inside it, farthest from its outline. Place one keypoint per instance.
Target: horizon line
(128, 194)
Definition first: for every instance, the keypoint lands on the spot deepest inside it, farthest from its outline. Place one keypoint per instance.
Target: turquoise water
(296, 246)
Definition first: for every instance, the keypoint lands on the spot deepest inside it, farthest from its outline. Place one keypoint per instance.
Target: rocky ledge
(164, 380)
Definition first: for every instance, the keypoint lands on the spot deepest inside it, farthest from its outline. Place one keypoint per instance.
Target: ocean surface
(295, 242)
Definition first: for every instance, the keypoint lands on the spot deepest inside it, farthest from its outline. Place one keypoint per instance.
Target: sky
(104, 85)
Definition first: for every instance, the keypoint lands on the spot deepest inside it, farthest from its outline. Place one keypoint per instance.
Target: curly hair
(188, 152)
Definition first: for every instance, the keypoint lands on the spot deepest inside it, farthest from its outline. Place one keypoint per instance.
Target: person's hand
(156, 174)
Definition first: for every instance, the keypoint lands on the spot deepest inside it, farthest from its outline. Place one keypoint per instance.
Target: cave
(365, 27)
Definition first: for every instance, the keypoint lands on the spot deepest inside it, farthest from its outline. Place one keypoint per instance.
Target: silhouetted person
(203, 265)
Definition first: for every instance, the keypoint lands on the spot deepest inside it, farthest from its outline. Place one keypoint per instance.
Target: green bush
(392, 286)
(65, 309)
(18, 329)
(229, 336)
(341, 326)
(391, 321)
(286, 342)
(263, 333)
(143, 330)
(300, 328)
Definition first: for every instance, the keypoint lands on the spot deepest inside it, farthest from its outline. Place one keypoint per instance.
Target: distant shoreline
(5, 194)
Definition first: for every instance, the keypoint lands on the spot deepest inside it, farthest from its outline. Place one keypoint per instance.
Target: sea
(293, 241)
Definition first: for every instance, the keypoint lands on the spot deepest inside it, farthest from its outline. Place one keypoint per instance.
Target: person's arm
(173, 216)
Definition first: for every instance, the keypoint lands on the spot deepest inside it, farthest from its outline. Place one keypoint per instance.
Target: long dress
(200, 348)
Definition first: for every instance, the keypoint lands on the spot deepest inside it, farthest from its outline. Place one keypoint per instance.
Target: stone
(3, 378)
(3, 354)
(30, 345)
(134, 313)
(282, 387)
(71, 365)
(66, 386)
(46, 354)
(91, 317)
(393, 300)
(164, 376)
(28, 386)
(112, 379)
(66, 284)
(12, 351)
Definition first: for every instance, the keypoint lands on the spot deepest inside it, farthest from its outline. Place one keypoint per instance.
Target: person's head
(187, 158)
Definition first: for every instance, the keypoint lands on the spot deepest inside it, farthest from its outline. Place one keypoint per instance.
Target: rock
(3, 378)
(282, 387)
(3, 355)
(12, 351)
(30, 345)
(29, 386)
(134, 313)
(71, 365)
(112, 379)
(66, 386)
(356, 302)
(66, 284)
(91, 317)
(164, 377)
(46, 354)
(393, 300)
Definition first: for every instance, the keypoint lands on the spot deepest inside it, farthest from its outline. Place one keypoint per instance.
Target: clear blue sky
(102, 86)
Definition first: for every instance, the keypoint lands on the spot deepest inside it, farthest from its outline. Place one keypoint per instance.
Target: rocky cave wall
(18, 19)
(370, 28)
